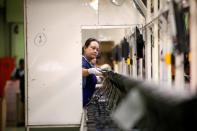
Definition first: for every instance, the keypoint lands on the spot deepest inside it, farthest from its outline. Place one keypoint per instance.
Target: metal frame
(193, 45)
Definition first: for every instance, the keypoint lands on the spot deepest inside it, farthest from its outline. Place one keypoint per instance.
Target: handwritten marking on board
(40, 39)
(33, 79)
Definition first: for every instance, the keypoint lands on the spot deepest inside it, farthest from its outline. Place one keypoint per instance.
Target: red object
(7, 65)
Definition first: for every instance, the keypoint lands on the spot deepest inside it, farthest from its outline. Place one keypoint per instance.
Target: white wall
(17, 42)
(2, 38)
(53, 52)
(126, 14)
(103, 34)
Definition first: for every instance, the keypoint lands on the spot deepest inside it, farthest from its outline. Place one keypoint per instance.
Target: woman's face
(91, 51)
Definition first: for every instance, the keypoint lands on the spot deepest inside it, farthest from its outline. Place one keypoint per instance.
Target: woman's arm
(85, 72)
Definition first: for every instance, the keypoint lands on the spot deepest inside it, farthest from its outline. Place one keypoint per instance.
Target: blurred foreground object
(139, 105)
(152, 107)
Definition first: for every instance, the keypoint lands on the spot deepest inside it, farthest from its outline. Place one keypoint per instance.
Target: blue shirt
(89, 82)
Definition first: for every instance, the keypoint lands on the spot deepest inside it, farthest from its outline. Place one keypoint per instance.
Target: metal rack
(158, 101)
(103, 102)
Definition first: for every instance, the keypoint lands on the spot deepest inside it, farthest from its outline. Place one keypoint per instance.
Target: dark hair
(21, 61)
(88, 41)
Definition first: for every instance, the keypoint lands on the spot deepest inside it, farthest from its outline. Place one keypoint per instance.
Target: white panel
(193, 45)
(54, 54)
(54, 60)
(125, 14)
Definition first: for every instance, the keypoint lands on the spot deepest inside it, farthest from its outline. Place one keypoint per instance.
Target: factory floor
(15, 129)
(41, 129)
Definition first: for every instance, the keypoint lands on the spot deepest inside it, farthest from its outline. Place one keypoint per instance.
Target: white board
(53, 54)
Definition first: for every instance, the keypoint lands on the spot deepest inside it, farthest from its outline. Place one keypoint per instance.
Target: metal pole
(148, 45)
(156, 42)
(193, 44)
(140, 68)
(179, 75)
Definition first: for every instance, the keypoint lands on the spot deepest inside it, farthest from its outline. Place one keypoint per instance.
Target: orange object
(168, 58)
(190, 56)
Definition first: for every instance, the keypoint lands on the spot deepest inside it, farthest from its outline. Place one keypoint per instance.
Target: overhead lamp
(94, 4)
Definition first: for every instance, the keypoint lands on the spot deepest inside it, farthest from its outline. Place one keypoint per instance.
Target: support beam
(156, 45)
(193, 45)
(148, 44)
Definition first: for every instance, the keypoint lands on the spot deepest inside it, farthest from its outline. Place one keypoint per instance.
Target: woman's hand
(95, 71)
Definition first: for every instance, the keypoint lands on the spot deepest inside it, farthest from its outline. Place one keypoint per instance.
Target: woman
(89, 72)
